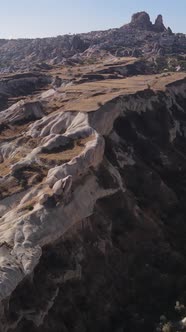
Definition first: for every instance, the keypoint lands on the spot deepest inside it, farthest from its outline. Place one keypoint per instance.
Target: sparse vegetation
(30, 207)
(23, 182)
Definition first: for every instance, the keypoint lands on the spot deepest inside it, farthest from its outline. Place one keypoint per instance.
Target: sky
(43, 18)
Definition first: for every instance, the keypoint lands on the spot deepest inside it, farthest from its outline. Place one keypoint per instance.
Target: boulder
(58, 188)
(57, 82)
(43, 198)
(67, 184)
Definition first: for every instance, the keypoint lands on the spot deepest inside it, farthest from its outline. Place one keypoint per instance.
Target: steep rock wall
(110, 255)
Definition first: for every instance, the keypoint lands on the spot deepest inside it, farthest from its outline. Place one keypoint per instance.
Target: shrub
(23, 182)
(30, 207)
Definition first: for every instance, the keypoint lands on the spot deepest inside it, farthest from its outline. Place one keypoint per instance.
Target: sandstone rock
(43, 198)
(20, 84)
(58, 188)
(22, 111)
(67, 184)
(141, 20)
(57, 82)
(63, 186)
(55, 143)
(114, 182)
(158, 25)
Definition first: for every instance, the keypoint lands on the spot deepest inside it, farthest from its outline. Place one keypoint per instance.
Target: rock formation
(89, 202)
(158, 25)
(92, 182)
(142, 21)
(137, 37)
(13, 86)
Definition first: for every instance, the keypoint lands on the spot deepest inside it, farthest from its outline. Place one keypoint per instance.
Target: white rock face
(91, 156)
(22, 111)
(63, 186)
(29, 229)
(58, 187)
(32, 223)
(67, 184)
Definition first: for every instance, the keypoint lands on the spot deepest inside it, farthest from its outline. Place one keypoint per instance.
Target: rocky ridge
(139, 38)
(61, 168)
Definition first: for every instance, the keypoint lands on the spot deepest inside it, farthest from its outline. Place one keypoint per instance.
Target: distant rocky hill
(138, 38)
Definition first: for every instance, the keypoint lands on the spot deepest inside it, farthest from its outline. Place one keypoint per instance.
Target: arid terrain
(140, 38)
(92, 185)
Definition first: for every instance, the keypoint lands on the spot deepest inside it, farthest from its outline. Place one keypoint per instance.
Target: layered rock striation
(92, 211)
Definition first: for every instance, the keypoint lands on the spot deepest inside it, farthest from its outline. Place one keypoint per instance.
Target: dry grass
(5, 166)
(25, 177)
(28, 206)
(65, 156)
(89, 95)
(67, 72)
(10, 187)
(13, 131)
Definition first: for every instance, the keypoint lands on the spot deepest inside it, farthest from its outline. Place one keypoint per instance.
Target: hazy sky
(39, 18)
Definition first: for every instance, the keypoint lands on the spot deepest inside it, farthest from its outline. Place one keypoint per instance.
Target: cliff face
(93, 210)
(142, 21)
(15, 87)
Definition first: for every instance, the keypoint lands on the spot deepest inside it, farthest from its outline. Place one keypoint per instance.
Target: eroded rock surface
(141, 20)
(159, 25)
(138, 38)
(92, 230)
(14, 86)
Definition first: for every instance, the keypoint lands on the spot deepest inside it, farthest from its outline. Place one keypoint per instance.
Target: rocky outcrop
(22, 112)
(142, 21)
(78, 44)
(57, 82)
(138, 37)
(158, 25)
(101, 225)
(20, 85)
